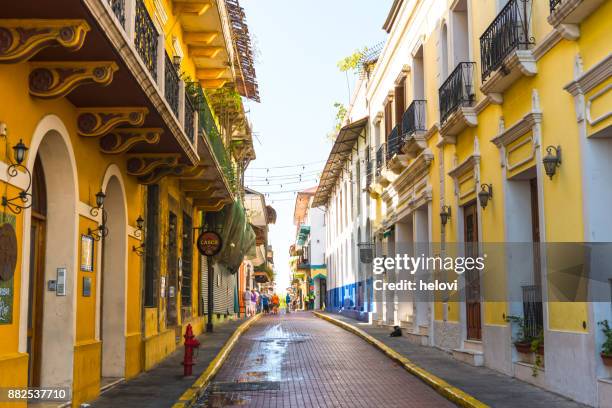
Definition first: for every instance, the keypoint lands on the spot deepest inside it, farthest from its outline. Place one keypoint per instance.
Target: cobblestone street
(298, 360)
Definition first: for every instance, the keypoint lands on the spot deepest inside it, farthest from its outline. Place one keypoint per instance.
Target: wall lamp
(102, 231)
(139, 233)
(485, 194)
(19, 153)
(552, 160)
(445, 214)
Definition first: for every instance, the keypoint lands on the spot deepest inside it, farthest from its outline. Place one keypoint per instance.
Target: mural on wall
(8, 262)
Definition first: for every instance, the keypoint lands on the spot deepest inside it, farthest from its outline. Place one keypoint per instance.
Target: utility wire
(287, 166)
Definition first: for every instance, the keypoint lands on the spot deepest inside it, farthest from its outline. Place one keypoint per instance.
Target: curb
(193, 392)
(443, 388)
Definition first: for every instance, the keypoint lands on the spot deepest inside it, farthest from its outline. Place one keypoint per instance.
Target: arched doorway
(52, 229)
(113, 282)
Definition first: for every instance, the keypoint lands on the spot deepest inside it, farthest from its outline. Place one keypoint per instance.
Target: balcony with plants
(506, 49)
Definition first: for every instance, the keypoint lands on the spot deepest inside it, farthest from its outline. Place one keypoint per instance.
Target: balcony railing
(532, 310)
(189, 124)
(380, 158)
(171, 85)
(369, 174)
(118, 7)
(146, 38)
(394, 143)
(413, 119)
(554, 4)
(457, 90)
(508, 32)
(207, 124)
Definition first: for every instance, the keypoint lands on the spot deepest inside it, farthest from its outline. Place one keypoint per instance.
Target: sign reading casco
(209, 243)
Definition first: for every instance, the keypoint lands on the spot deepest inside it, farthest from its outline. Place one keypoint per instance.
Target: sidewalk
(484, 384)
(163, 385)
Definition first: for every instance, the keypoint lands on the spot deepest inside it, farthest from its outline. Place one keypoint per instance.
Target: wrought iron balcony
(394, 143)
(380, 158)
(457, 90)
(554, 4)
(118, 7)
(509, 31)
(171, 85)
(414, 118)
(532, 310)
(146, 38)
(189, 124)
(369, 171)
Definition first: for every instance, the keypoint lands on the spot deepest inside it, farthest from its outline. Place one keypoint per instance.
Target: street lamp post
(209, 244)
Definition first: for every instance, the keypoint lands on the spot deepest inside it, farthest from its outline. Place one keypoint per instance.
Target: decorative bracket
(160, 173)
(121, 140)
(20, 40)
(92, 122)
(145, 164)
(56, 79)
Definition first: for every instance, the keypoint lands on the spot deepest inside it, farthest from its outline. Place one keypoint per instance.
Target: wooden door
(36, 288)
(472, 276)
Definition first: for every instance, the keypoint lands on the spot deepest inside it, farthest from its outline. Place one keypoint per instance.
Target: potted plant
(523, 341)
(606, 348)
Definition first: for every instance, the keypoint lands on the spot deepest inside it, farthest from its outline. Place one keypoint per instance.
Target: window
(152, 247)
(187, 258)
(400, 101)
(388, 118)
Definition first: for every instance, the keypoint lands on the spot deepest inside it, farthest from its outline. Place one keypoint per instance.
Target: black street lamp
(139, 233)
(485, 194)
(445, 214)
(552, 160)
(102, 231)
(19, 153)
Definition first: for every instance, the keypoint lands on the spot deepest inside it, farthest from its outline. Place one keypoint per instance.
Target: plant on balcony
(606, 347)
(526, 343)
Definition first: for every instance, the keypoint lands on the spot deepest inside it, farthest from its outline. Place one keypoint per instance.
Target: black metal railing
(146, 38)
(380, 158)
(189, 124)
(369, 173)
(508, 31)
(457, 90)
(394, 143)
(171, 85)
(118, 7)
(414, 118)
(533, 312)
(554, 4)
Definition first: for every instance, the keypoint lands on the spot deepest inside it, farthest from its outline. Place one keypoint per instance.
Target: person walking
(253, 301)
(288, 302)
(265, 303)
(247, 302)
(275, 302)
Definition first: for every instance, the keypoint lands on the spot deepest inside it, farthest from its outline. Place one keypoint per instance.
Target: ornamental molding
(572, 13)
(93, 122)
(402, 75)
(520, 62)
(416, 171)
(520, 128)
(415, 144)
(213, 204)
(21, 39)
(586, 81)
(121, 140)
(145, 164)
(458, 121)
(49, 80)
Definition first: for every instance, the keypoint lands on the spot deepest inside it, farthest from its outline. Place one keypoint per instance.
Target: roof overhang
(340, 152)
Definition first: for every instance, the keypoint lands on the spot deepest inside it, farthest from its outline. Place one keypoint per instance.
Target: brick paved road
(299, 360)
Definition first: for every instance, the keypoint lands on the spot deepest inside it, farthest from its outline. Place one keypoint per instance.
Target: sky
(297, 45)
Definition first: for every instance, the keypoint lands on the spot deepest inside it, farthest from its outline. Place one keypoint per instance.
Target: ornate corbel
(213, 204)
(20, 39)
(145, 164)
(156, 175)
(56, 79)
(121, 140)
(92, 122)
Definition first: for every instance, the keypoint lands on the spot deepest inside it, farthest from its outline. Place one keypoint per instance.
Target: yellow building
(488, 131)
(135, 134)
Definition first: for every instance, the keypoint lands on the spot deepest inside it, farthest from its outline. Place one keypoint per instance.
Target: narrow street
(298, 360)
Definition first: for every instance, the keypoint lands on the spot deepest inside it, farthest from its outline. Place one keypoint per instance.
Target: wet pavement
(298, 360)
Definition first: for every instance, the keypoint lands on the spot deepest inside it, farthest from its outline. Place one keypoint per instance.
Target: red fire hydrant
(190, 343)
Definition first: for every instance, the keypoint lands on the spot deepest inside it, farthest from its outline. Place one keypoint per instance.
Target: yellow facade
(102, 310)
(514, 116)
